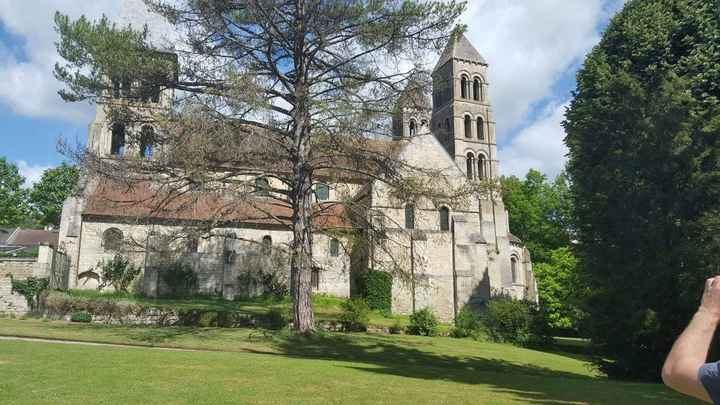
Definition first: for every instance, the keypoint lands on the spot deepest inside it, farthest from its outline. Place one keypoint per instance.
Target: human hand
(711, 297)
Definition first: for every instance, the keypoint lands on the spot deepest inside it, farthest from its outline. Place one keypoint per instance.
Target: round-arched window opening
(334, 247)
(468, 127)
(444, 219)
(464, 87)
(514, 270)
(147, 142)
(112, 240)
(412, 127)
(117, 141)
(482, 172)
(477, 90)
(480, 128)
(409, 216)
(469, 165)
(266, 244)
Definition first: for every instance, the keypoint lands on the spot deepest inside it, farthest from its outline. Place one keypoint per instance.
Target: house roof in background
(33, 237)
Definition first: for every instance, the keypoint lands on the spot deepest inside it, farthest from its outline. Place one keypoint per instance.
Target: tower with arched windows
(412, 112)
(462, 115)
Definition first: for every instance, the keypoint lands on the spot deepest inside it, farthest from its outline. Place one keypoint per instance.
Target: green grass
(251, 366)
(326, 307)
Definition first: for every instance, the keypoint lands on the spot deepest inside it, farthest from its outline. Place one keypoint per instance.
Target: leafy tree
(645, 162)
(13, 203)
(47, 195)
(288, 91)
(540, 212)
(559, 289)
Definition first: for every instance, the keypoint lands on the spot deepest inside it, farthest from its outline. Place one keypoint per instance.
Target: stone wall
(20, 269)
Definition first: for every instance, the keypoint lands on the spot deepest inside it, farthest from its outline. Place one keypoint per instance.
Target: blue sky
(534, 48)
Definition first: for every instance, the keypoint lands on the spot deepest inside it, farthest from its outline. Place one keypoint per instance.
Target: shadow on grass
(531, 383)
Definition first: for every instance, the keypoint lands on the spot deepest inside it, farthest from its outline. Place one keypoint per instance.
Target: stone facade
(461, 260)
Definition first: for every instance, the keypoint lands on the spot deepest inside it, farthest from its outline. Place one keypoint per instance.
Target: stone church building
(456, 255)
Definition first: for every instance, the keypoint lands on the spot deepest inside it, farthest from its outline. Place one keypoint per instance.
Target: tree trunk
(301, 261)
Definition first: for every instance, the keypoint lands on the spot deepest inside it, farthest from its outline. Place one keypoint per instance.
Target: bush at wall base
(81, 316)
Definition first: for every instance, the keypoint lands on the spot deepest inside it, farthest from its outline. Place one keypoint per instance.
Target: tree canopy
(13, 203)
(47, 195)
(642, 131)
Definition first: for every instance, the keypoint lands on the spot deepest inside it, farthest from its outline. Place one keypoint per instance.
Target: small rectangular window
(315, 279)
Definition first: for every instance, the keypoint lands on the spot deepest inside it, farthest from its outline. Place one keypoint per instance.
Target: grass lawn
(249, 366)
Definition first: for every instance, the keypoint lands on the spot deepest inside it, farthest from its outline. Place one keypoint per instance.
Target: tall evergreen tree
(643, 131)
(292, 90)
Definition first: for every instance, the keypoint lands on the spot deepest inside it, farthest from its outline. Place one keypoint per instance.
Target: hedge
(376, 289)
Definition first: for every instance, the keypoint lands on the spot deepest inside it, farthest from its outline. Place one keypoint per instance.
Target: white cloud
(28, 86)
(32, 173)
(540, 146)
(529, 45)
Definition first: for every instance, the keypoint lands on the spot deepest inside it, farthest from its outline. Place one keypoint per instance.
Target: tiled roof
(460, 48)
(144, 201)
(33, 237)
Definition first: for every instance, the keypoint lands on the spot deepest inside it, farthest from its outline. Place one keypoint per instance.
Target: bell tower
(412, 111)
(462, 117)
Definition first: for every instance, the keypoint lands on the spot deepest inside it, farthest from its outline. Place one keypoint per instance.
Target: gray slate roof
(460, 48)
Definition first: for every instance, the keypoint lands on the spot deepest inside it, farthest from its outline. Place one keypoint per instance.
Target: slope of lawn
(252, 366)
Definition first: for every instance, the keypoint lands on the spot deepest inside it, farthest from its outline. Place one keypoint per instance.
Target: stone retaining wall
(20, 268)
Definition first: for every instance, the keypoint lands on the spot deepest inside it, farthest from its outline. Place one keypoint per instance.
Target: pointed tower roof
(460, 48)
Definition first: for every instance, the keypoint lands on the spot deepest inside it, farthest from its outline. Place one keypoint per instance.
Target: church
(455, 255)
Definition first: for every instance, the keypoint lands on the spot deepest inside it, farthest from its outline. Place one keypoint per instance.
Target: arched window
(468, 127)
(266, 244)
(447, 125)
(481, 167)
(480, 128)
(444, 219)
(322, 192)
(192, 245)
(409, 216)
(514, 269)
(412, 127)
(112, 240)
(117, 142)
(262, 186)
(315, 278)
(334, 247)
(476, 89)
(147, 141)
(464, 87)
(469, 165)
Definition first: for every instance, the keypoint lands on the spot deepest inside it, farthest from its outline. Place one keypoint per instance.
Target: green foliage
(514, 321)
(81, 316)
(118, 273)
(47, 196)
(559, 289)
(376, 289)
(396, 328)
(355, 316)
(277, 318)
(180, 279)
(13, 199)
(540, 212)
(645, 162)
(30, 288)
(467, 324)
(423, 323)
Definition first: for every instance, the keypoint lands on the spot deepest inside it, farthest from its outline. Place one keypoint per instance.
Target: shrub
(467, 324)
(118, 273)
(180, 279)
(376, 288)
(355, 316)
(423, 323)
(30, 288)
(396, 328)
(514, 321)
(276, 318)
(81, 316)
